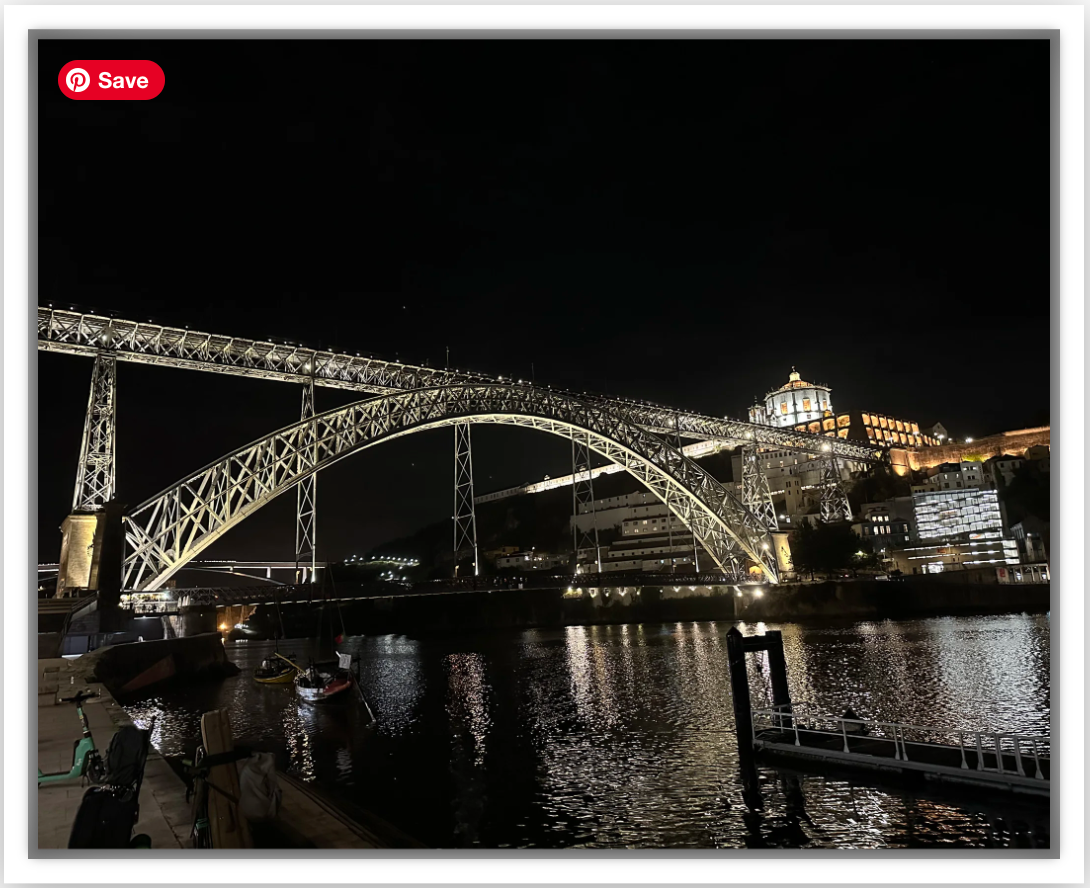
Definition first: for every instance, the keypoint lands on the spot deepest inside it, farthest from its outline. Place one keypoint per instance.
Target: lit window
(806, 404)
(783, 408)
(866, 419)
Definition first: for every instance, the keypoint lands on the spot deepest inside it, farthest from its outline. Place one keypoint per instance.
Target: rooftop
(794, 381)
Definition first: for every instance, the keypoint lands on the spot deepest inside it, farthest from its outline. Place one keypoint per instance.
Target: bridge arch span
(174, 526)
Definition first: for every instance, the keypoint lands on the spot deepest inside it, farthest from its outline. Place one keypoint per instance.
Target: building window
(806, 404)
(783, 408)
(866, 419)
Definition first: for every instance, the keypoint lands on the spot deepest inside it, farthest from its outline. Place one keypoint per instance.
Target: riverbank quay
(306, 818)
(587, 605)
(911, 598)
(164, 813)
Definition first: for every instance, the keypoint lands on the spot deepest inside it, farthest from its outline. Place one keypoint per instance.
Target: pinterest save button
(116, 79)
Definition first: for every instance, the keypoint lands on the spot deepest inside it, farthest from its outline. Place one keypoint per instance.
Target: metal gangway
(999, 760)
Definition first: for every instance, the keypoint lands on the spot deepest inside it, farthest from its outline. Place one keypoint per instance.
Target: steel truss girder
(71, 332)
(177, 524)
(85, 334)
(96, 476)
(834, 501)
(465, 516)
(756, 495)
(306, 498)
(582, 494)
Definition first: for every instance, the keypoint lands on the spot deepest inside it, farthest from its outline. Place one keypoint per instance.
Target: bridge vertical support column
(96, 476)
(465, 518)
(96, 481)
(756, 495)
(582, 494)
(834, 501)
(675, 441)
(306, 499)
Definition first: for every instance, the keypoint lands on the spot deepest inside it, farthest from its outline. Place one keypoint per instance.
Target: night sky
(680, 221)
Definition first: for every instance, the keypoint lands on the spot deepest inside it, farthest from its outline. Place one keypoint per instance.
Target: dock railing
(991, 748)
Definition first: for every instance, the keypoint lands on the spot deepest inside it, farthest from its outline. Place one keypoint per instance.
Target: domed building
(796, 403)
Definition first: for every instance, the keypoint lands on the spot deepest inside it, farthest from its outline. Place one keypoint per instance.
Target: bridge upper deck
(78, 333)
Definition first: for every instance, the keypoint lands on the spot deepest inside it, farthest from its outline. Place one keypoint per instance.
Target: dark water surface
(622, 736)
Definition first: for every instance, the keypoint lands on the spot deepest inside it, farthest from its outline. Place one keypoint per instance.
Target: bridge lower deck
(966, 765)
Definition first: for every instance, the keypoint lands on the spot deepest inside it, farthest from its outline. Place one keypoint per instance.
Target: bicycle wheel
(202, 828)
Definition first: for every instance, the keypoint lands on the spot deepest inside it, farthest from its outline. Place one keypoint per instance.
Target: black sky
(680, 221)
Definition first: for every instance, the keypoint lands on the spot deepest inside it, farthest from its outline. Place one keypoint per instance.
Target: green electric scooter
(86, 761)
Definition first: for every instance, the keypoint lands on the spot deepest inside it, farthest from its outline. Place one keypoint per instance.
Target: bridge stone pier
(81, 550)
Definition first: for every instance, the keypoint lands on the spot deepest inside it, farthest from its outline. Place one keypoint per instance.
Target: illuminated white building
(795, 403)
(971, 513)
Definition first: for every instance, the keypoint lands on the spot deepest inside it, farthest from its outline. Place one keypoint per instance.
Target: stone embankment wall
(863, 600)
(1006, 444)
(873, 599)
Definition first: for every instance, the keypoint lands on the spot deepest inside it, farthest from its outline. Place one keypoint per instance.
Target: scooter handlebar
(80, 697)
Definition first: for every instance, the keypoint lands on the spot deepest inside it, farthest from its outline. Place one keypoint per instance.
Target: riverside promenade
(306, 820)
(164, 813)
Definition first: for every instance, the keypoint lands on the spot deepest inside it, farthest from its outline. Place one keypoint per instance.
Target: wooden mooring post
(229, 828)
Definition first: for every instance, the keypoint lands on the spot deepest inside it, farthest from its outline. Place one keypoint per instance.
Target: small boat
(276, 670)
(315, 686)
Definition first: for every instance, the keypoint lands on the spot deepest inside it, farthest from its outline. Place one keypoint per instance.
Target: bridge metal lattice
(306, 502)
(582, 494)
(177, 524)
(834, 501)
(756, 495)
(73, 332)
(96, 477)
(674, 437)
(465, 516)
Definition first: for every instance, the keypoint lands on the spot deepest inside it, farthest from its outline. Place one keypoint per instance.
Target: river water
(622, 736)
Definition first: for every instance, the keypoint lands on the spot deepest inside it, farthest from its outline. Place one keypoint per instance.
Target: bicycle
(197, 770)
(86, 759)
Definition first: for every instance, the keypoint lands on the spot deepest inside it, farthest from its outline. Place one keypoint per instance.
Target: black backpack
(125, 759)
(105, 819)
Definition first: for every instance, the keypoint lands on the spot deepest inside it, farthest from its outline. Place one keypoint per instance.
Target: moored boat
(276, 670)
(316, 686)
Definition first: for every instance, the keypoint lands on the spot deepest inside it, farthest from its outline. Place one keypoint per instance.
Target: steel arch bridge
(176, 525)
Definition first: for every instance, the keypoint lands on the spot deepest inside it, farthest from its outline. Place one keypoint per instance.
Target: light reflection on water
(622, 736)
